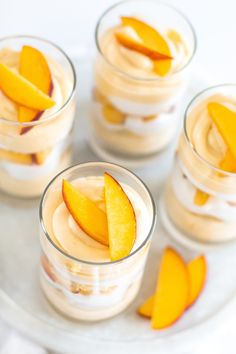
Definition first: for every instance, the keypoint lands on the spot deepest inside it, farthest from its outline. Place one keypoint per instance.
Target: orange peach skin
(86, 213)
(121, 219)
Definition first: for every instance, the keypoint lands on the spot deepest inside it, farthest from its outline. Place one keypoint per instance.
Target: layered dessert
(201, 194)
(36, 114)
(139, 81)
(95, 239)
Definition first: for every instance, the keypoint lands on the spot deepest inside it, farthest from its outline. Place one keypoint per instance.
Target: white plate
(23, 305)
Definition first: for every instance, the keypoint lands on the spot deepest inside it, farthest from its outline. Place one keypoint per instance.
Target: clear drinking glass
(83, 289)
(212, 218)
(32, 153)
(134, 113)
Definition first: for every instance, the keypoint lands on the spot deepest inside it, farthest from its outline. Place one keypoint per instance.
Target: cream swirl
(71, 238)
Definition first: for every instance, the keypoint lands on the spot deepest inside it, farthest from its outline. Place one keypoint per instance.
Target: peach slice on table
(16, 157)
(197, 269)
(90, 218)
(172, 291)
(140, 47)
(22, 91)
(121, 219)
(200, 197)
(151, 39)
(34, 67)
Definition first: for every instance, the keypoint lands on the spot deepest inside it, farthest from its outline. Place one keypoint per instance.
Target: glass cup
(200, 196)
(32, 153)
(80, 288)
(135, 114)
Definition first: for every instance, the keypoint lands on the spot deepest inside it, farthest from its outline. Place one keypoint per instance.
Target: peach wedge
(200, 197)
(34, 67)
(225, 121)
(132, 44)
(152, 39)
(121, 219)
(22, 91)
(197, 269)
(16, 157)
(86, 213)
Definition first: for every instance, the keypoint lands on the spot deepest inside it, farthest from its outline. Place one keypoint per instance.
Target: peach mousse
(139, 78)
(36, 114)
(97, 220)
(200, 197)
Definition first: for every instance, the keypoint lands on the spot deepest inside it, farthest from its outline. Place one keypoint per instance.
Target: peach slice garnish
(22, 91)
(151, 39)
(225, 121)
(86, 213)
(16, 157)
(197, 269)
(172, 291)
(121, 219)
(200, 197)
(34, 67)
(132, 44)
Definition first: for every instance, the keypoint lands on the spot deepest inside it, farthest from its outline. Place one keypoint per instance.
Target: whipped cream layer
(65, 232)
(135, 87)
(215, 206)
(42, 135)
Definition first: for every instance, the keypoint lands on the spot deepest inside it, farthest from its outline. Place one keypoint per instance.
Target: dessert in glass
(140, 74)
(97, 220)
(200, 197)
(37, 105)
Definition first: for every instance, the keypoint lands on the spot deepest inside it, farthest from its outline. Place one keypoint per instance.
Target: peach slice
(151, 39)
(22, 91)
(112, 115)
(121, 219)
(34, 67)
(200, 197)
(40, 157)
(16, 157)
(86, 213)
(197, 269)
(172, 291)
(225, 121)
(132, 44)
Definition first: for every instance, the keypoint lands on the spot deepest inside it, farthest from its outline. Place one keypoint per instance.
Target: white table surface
(71, 24)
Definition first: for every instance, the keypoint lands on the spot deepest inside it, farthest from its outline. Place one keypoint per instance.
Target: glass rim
(71, 95)
(88, 164)
(121, 72)
(187, 138)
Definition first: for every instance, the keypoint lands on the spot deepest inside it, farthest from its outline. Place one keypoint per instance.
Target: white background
(70, 23)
